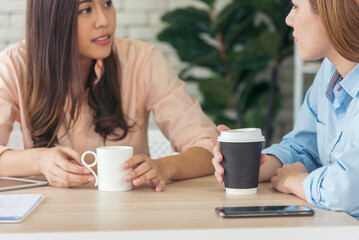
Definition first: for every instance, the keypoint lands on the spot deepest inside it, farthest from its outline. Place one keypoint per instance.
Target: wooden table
(185, 210)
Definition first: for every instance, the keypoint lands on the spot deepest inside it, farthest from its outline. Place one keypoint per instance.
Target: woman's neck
(343, 66)
(85, 69)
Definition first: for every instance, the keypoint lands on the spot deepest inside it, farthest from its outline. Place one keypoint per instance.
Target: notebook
(16, 207)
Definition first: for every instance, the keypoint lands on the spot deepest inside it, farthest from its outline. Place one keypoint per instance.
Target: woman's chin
(308, 57)
(100, 56)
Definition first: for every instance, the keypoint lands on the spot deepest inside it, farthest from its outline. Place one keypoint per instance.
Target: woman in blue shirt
(319, 159)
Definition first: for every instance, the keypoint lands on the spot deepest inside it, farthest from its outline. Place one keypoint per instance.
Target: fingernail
(137, 181)
(128, 178)
(86, 171)
(125, 165)
(218, 156)
(91, 179)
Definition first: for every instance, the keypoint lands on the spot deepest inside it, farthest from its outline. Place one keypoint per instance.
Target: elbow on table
(344, 199)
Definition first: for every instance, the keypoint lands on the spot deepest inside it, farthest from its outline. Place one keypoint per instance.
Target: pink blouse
(148, 84)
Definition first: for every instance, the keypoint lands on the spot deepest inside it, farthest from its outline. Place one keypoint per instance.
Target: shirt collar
(336, 78)
(351, 82)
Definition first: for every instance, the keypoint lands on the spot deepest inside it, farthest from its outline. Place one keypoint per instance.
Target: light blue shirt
(325, 139)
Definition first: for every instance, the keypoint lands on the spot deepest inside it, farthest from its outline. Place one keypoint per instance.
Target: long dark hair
(53, 86)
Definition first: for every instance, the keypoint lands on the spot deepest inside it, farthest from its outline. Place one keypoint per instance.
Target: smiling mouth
(102, 38)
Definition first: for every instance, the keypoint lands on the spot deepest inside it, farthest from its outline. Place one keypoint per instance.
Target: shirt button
(78, 129)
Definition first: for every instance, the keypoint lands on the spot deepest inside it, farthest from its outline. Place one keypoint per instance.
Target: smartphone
(264, 211)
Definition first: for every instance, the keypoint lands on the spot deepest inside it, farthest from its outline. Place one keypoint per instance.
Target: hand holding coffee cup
(241, 152)
(109, 162)
(218, 158)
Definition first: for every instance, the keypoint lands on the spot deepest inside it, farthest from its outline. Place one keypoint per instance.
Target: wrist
(38, 160)
(295, 184)
(168, 171)
(268, 169)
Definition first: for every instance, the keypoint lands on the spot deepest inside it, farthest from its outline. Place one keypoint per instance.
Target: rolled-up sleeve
(336, 186)
(179, 117)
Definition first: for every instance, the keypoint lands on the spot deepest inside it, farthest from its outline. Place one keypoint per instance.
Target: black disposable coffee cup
(241, 150)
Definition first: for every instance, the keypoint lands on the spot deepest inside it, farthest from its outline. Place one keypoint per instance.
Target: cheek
(81, 34)
(311, 49)
(320, 43)
(112, 20)
(84, 39)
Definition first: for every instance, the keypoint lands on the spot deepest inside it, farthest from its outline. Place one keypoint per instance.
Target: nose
(101, 19)
(289, 18)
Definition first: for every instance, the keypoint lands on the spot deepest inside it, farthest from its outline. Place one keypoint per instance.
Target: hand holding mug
(110, 174)
(146, 169)
(62, 167)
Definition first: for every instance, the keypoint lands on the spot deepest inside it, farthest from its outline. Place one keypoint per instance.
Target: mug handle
(89, 166)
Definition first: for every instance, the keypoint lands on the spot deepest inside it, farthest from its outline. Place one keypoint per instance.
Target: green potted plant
(234, 45)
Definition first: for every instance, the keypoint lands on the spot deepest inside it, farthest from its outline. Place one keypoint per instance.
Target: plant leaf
(188, 19)
(210, 3)
(218, 93)
(188, 45)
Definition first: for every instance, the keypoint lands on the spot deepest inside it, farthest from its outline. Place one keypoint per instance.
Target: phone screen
(263, 211)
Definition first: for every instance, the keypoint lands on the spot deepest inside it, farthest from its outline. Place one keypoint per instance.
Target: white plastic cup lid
(242, 135)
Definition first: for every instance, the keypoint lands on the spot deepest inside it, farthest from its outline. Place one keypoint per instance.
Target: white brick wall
(12, 6)
(145, 5)
(4, 20)
(136, 19)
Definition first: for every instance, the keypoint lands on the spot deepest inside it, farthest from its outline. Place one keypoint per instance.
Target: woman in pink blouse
(73, 87)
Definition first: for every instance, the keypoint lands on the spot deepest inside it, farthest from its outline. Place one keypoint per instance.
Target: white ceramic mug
(109, 162)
